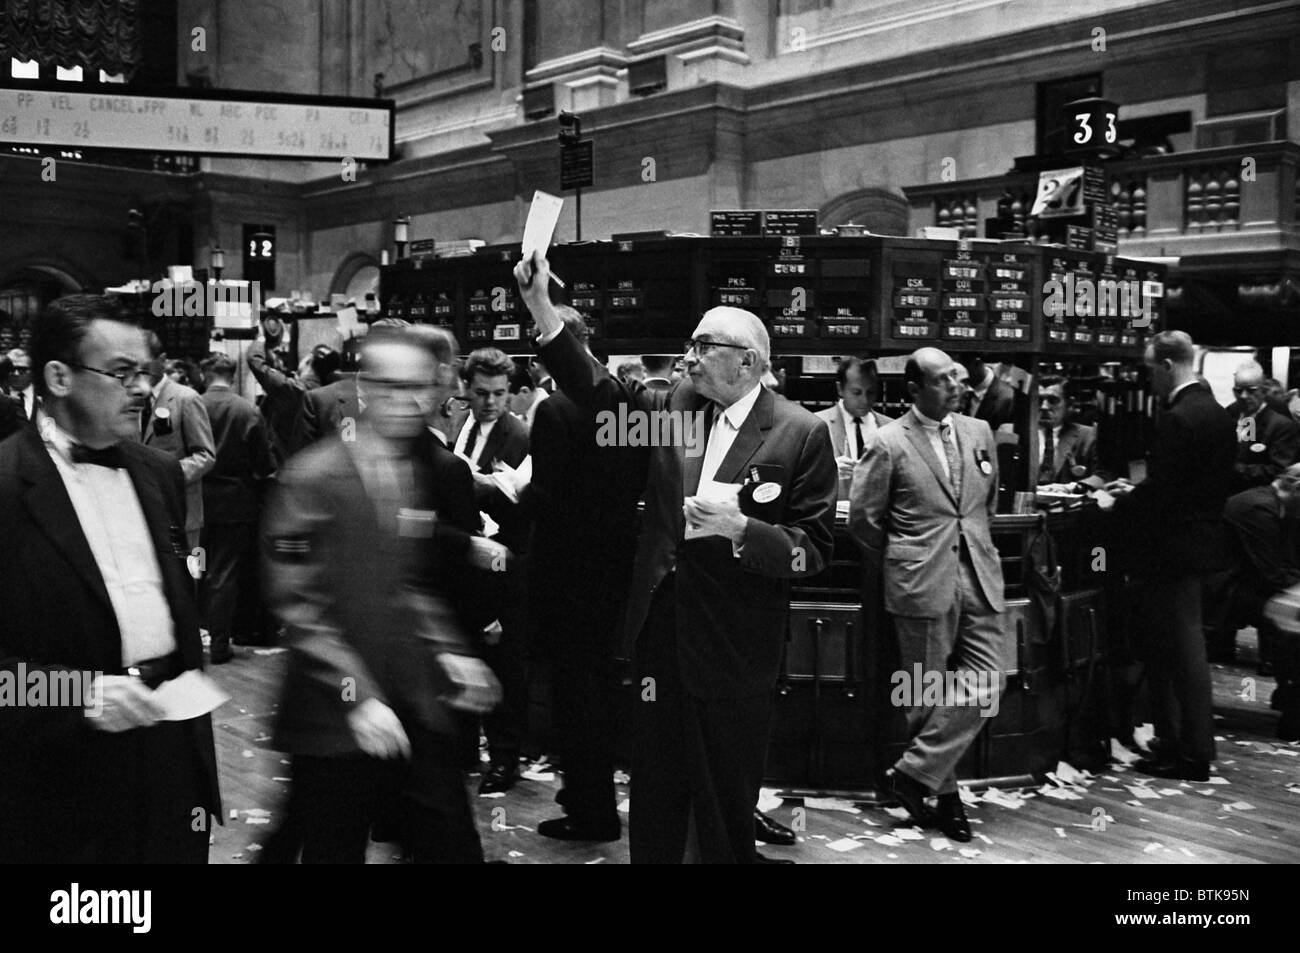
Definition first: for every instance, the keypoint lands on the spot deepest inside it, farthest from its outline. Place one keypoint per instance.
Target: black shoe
(770, 831)
(1181, 769)
(566, 828)
(763, 859)
(950, 816)
(499, 779)
(910, 793)
(219, 651)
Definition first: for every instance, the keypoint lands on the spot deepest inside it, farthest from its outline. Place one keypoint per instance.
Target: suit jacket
(909, 522)
(839, 437)
(185, 432)
(283, 404)
(1266, 543)
(508, 442)
(325, 408)
(57, 616)
(12, 417)
(730, 610)
(1076, 447)
(1174, 515)
(365, 605)
(1271, 448)
(474, 592)
(233, 488)
(582, 503)
(998, 406)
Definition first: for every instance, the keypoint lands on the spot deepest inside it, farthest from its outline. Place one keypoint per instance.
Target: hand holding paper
(539, 229)
(715, 511)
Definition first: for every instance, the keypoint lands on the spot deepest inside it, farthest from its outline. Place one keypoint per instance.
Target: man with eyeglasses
(1267, 442)
(21, 387)
(93, 579)
(724, 532)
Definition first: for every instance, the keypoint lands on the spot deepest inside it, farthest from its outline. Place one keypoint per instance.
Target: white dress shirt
(723, 434)
(934, 434)
(114, 525)
(483, 431)
(868, 425)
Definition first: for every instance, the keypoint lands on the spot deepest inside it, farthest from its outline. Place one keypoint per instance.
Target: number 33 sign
(1091, 125)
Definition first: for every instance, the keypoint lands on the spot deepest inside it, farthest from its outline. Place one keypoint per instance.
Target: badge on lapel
(983, 460)
(1257, 448)
(162, 420)
(762, 483)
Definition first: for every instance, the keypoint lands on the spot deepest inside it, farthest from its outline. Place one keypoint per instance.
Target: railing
(1244, 197)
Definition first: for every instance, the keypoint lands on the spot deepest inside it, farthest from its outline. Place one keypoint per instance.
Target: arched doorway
(879, 210)
(24, 291)
(357, 277)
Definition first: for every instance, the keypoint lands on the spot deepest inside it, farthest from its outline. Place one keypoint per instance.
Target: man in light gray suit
(852, 421)
(921, 500)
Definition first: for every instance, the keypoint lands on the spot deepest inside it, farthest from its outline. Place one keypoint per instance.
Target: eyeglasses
(704, 347)
(127, 378)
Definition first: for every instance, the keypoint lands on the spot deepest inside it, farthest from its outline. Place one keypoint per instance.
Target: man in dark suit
(93, 582)
(232, 498)
(852, 421)
(175, 421)
(741, 501)
(1069, 449)
(491, 435)
(360, 567)
(327, 409)
(1267, 442)
(923, 498)
(282, 401)
(990, 399)
(582, 500)
(1174, 526)
(658, 372)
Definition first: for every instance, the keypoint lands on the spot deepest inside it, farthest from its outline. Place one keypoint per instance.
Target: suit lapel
(492, 446)
(921, 442)
(1065, 447)
(52, 511)
(839, 437)
(752, 434)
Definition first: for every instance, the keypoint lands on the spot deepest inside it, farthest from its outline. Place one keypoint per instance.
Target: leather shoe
(219, 651)
(764, 859)
(910, 793)
(1181, 769)
(950, 816)
(499, 779)
(771, 832)
(566, 828)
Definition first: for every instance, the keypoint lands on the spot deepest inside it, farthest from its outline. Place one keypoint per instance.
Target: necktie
(145, 411)
(950, 449)
(1049, 455)
(472, 440)
(857, 430)
(107, 457)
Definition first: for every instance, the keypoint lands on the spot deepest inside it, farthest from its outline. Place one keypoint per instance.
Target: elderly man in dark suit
(232, 503)
(93, 582)
(1069, 449)
(852, 421)
(360, 575)
(922, 500)
(1174, 526)
(1267, 441)
(739, 502)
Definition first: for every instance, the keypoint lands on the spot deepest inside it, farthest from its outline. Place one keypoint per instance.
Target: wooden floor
(1251, 814)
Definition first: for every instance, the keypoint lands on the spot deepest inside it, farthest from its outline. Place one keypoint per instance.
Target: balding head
(1248, 386)
(932, 382)
(736, 352)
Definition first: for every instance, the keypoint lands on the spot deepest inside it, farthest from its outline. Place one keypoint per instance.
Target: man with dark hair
(1267, 441)
(21, 386)
(175, 421)
(491, 434)
(923, 498)
(525, 395)
(658, 372)
(990, 399)
(232, 493)
(852, 421)
(93, 581)
(1069, 449)
(1173, 524)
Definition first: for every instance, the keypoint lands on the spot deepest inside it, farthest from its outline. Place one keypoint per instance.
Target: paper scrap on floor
(844, 844)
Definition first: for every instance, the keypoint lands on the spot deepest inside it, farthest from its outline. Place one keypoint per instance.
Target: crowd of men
(418, 527)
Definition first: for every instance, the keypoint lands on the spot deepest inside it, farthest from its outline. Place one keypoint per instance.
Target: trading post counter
(836, 727)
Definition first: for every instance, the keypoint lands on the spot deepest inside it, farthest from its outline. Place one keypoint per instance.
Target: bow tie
(111, 457)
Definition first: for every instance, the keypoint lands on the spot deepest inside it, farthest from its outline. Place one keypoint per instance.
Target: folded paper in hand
(712, 491)
(189, 695)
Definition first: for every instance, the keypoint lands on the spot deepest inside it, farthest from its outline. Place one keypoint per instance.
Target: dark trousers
(697, 763)
(1178, 673)
(146, 807)
(226, 547)
(506, 725)
(586, 699)
(334, 800)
